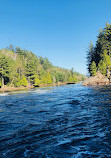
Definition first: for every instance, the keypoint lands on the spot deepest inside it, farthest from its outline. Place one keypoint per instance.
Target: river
(70, 121)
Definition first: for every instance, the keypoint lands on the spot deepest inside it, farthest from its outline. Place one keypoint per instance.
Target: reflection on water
(60, 122)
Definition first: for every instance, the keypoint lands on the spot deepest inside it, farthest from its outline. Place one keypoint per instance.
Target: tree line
(19, 67)
(99, 56)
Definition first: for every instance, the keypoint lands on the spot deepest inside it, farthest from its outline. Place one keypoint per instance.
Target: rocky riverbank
(8, 89)
(99, 79)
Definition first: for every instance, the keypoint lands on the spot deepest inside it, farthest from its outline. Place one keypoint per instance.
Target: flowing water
(68, 121)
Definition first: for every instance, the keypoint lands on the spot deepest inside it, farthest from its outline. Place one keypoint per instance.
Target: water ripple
(58, 122)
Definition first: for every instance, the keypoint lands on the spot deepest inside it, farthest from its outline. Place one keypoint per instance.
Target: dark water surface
(69, 121)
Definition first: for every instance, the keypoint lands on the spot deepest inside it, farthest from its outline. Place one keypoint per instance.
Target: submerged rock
(99, 79)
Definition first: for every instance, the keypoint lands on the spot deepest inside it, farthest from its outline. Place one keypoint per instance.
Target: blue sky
(58, 29)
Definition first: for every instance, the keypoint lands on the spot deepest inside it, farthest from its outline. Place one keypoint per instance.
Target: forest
(99, 56)
(20, 67)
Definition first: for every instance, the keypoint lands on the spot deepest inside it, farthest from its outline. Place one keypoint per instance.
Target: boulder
(99, 79)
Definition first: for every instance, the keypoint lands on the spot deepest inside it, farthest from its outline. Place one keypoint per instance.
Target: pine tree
(102, 67)
(4, 69)
(101, 52)
(37, 81)
(93, 69)
(90, 56)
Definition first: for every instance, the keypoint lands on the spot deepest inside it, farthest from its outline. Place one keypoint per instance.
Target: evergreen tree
(37, 81)
(4, 69)
(101, 52)
(48, 77)
(90, 56)
(93, 69)
(102, 67)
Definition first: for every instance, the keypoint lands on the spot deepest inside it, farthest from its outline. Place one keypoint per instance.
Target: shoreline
(98, 79)
(9, 89)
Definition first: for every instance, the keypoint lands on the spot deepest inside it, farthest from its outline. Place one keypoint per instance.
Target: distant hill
(20, 67)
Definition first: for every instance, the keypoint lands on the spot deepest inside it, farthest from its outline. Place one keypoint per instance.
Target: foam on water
(1, 110)
(41, 91)
(4, 94)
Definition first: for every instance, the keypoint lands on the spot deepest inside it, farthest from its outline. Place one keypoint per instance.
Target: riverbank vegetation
(99, 56)
(20, 67)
